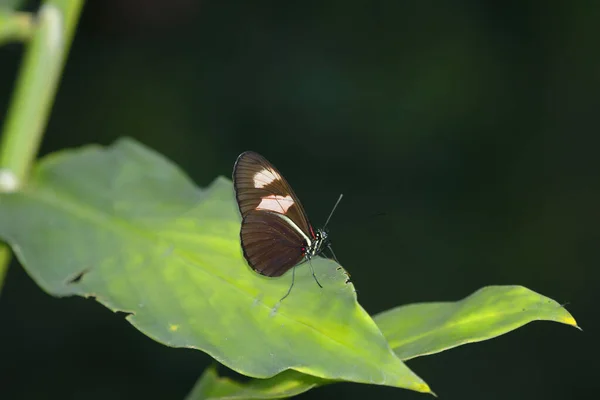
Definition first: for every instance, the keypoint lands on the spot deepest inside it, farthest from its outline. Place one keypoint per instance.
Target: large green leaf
(127, 227)
(420, 329)
(413, 330)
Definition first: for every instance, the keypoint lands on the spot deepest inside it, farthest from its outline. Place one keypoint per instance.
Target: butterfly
(276, 234)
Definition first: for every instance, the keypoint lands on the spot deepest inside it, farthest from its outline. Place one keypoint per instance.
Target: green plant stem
(34, 92)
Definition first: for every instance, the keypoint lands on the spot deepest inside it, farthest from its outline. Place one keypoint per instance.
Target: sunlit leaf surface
(124, 225)
(413, 330)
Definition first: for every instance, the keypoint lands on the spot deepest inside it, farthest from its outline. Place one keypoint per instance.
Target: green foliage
(127, 227)
(48, 40)
(420, 329)
(413, 330)
(210, 386)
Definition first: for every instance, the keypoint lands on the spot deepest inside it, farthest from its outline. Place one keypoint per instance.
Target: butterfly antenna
(334, 207)
(333, 254)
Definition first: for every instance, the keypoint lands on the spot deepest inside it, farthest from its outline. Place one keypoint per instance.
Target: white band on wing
(279, 204)
(265, 177)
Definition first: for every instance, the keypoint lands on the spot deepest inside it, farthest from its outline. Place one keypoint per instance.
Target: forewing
(270, 243)
(260, 186)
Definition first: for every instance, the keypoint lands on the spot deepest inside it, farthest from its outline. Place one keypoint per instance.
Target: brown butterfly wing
(260, 187)
(271, 245)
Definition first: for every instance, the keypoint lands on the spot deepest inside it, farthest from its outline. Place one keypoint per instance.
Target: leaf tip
(569, 320)
(423, 388)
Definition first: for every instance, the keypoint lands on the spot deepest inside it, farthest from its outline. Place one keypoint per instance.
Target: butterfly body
(276, 234)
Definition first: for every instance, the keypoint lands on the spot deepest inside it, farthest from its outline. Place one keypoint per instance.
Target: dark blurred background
(472, 125)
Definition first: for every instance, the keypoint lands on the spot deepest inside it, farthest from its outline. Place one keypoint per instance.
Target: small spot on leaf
(77, 278)
(168, 251)
(274, 310)
(173, 327)
(257, 300)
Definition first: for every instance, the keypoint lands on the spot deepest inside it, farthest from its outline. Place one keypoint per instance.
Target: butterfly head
(319, 244)
(323, 236)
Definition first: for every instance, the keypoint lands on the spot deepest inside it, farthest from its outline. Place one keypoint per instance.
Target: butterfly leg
(313, 273)
(291, 286)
